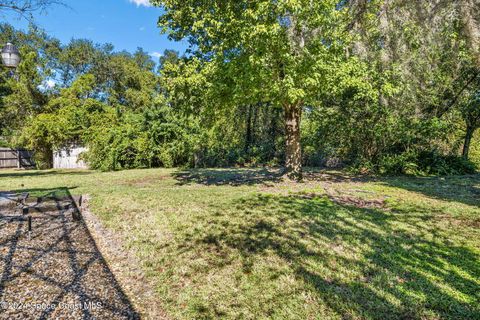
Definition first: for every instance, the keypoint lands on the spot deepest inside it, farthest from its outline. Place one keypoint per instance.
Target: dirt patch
(357, 202)
(126, 266)
(345, 198)
(348, 200)
(144, 182)
(334, 177)
(459, 221)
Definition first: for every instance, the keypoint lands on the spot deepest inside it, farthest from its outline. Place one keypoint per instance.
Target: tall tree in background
(470, 13)
(431, 50)
(26, 94)
(277, 51)
(470, 111)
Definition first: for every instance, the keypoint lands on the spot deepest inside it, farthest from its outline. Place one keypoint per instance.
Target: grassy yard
(243, 244)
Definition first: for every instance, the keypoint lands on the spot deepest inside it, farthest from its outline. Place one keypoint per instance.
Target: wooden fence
(16, 158)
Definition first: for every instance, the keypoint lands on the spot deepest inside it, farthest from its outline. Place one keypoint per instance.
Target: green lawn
(243, 244)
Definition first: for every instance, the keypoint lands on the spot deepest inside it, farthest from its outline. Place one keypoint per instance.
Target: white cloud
(155, 54)
(142, 29)
(145, 3)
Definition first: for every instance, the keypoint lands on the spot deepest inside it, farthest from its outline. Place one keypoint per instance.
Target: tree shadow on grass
(403, 266)
(325, 175)
(463, 189)
(59, 266)
(39, 173)
(254, 176)
(233, 177)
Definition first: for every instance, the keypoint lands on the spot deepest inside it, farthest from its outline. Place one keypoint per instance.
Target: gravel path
(56, 272)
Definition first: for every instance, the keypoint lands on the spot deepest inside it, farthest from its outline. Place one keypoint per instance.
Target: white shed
(69, 159)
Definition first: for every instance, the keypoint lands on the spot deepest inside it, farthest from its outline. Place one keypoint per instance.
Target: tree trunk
(248, 133)
(468, 140)
(293, 162)
(471, 29)
(273, 131)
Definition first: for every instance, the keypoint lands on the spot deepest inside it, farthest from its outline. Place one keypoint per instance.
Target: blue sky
(127, 24)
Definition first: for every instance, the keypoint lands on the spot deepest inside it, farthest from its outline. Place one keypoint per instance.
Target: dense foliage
(387, 86)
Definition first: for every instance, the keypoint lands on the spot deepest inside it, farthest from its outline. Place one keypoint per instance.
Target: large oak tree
(277, 51)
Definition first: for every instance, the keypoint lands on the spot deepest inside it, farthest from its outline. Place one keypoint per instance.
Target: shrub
(435, 163)
(429, 162)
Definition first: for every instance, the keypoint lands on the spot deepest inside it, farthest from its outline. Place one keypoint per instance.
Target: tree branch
(25, 8)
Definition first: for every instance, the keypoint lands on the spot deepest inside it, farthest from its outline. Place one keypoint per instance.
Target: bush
(475, 149)
(405, 163)
(438, 164)
(429, 162)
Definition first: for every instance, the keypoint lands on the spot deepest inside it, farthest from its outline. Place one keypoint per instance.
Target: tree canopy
(388, 86)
